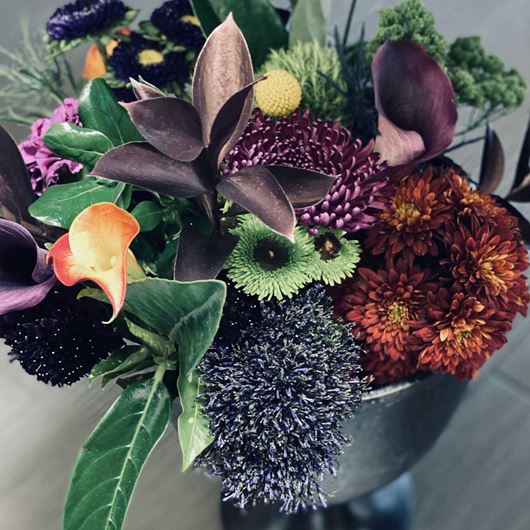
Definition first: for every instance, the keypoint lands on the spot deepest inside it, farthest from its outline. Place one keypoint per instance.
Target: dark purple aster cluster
(276, 394)
(175, 19)
(362, 185)
(61, 339)
(141, 57)
(84, 17)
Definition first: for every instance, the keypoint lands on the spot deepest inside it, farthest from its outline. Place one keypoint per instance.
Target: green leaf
(269, 34)
(310, 21)
(99, 110)
(112, 458)
(60, 204)
(193, 425)
(149, 214)
(154, 342)
(82, 145)
(186, 312)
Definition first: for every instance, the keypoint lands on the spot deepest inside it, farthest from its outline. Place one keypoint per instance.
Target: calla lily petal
(97, 249)
(416, 103)
(25, 279)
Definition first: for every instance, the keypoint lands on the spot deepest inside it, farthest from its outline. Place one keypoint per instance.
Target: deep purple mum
(361, 186)
(176, 20)
(84, 17)
(44, 167)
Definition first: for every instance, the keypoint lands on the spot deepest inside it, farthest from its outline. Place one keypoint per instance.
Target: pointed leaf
(523, 164)
(207, 16)
(99, 110)
(193, 425)
(230, 123)
(187, 313)
(414, 96)
(303, 187)
(522, 192)
(140, 164)
(149, 214)
(112, 458)
(80, 144)
(492, 166)
(201, 257)
(144, 90)
(16, 194)
(62, 203)
(309, 21)
(223, 68)
(256, 190)
(171, 125)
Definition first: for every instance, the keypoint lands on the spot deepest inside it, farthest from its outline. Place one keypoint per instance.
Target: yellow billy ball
(279, 94)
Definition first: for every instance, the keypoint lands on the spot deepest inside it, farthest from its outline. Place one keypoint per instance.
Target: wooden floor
(477, 477)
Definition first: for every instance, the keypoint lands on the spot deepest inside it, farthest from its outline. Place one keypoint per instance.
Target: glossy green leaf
(149, 214)
(99, 110)
(82, 145)
(60, 204)
(268, 34)
(154, 342)
(310, 21)
(193, 425)
(186, 312)
(112, 458)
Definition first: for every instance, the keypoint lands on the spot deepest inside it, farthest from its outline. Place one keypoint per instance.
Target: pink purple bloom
(44, 167)
(361, 187)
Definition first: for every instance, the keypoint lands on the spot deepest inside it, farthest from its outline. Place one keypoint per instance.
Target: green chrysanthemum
(266, 264)
(335, 256)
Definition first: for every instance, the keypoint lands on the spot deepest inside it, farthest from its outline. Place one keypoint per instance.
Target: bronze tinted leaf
(303, 187)
(223, 68)
(523, 164)
(228, 125)
(171, 125)
(492, 166)
(144, 90)
(522, 192)
(201, 257)
(15, 187)
(256, 190)
(140, 164)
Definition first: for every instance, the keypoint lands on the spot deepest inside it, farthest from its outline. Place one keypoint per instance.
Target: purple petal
(415, 100)
(223, 68)
(256, 190)
(171, 125)
(25, 278)
(140, 164)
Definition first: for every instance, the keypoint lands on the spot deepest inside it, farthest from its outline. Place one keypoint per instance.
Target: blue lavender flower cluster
(276, 394)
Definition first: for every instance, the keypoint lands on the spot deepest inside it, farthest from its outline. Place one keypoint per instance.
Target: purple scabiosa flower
(361, 187)
(277, 387)
(61, 339)
(25, 278)
(141, 57)
(84, 17)
(44, 167)
(175, 19)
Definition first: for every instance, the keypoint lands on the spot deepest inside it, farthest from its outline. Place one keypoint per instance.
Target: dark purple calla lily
(416, 104)
(186, 144)
(25, 279)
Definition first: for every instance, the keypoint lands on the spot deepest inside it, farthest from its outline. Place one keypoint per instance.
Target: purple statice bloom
(361, 188)
(44, 167)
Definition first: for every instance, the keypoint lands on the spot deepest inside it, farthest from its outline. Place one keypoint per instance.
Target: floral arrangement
(253, 224)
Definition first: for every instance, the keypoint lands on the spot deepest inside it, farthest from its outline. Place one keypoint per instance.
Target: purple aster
(44, 167)
(84, 17)
(175, 19)
(361, 187)
(141, 57)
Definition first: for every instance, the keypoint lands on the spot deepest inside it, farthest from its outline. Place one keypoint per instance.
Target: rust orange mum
(417, 211)
(97, 249)
(384, 305)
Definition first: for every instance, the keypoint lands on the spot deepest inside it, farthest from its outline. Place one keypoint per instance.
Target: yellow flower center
(279, 94)
(398, 313)
(492, 270)
(406, 214)
(190, 19)
(150, 56)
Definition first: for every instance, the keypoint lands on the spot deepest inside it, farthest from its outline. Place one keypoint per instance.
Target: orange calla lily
(97, 249)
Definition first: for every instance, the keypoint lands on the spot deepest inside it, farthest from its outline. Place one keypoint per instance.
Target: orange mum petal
(97, 249)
